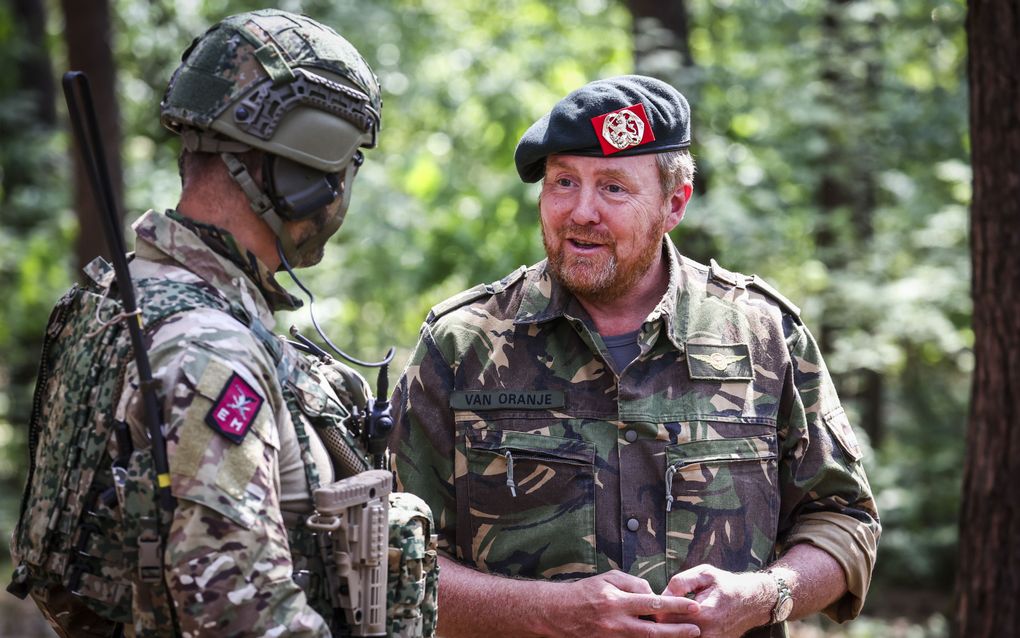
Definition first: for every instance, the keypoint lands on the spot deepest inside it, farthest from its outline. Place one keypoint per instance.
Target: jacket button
(633, 524)
(630, 435)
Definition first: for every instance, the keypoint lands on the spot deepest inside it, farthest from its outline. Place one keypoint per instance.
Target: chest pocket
(530, 504)
(722, 500)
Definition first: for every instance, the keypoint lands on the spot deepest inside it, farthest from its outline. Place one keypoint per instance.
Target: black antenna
(86, 131)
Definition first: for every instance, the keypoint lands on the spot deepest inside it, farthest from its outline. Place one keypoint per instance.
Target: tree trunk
(35, 78)
(988, 582)
(662, 49)
(660, 26)
(34, 71)
(89, 49)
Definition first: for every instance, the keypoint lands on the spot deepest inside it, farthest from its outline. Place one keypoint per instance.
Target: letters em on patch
(235, 409)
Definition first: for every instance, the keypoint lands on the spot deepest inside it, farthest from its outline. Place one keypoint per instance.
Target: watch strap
(781, 609)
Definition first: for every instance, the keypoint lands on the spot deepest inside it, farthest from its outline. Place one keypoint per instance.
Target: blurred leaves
(831, 139)
(833, 136)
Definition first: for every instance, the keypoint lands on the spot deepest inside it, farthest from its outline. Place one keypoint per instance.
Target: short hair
(675, 168)
(193, 163)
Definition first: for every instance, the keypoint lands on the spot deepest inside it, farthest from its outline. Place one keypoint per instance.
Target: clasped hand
(729, 604)
(701, 601)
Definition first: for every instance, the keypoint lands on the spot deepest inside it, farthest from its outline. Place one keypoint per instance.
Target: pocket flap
(839, 424)
(720, 450)
(532, 444)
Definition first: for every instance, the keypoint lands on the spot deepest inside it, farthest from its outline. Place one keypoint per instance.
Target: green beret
(625, 115)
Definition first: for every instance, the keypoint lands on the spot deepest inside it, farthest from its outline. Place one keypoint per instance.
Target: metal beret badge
(623, 128)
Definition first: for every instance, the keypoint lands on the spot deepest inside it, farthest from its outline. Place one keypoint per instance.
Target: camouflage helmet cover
(279, 82)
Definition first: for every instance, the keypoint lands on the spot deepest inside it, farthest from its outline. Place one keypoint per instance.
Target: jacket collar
(546, 299)
(161, 238)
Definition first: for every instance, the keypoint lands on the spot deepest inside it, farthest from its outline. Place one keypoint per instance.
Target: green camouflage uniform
(239, 559)
(722, 443)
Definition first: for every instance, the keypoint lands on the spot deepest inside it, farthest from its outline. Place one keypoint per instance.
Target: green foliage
(831, 137)
(34, 239)
(439, 207)
(35, 236)
(832, 152)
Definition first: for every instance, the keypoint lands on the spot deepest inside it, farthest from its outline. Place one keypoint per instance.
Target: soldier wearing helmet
(295, 97)
(273, 110)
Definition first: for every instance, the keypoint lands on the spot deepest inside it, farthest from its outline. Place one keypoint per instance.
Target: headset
(298, 191)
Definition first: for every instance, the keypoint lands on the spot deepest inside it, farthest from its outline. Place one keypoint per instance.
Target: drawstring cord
(670, 471)
(510, 474)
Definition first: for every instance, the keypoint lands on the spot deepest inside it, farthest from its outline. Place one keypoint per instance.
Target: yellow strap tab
(163, 480)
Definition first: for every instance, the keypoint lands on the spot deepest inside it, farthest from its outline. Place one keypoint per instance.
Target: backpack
(88, 547)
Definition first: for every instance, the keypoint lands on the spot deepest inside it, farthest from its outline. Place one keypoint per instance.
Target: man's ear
(677, 206)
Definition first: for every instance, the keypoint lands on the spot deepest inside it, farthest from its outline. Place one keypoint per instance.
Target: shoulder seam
(756, 283)
(763, 287)
(718, 273)
(473, 294)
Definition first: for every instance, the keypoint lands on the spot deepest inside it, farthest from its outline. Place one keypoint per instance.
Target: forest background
(832, 147)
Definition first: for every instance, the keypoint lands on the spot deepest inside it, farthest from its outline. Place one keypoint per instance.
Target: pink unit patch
(235, 409)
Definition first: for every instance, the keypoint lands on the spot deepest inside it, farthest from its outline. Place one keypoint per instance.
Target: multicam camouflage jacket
(246, 416)
(721, 443)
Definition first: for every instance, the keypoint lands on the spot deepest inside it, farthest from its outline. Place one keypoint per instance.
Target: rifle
(352, 518)
(82, 111)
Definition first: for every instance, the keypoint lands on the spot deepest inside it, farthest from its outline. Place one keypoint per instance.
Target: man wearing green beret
(619, 440)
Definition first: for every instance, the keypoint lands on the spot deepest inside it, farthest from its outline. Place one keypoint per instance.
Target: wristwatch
(784, 599)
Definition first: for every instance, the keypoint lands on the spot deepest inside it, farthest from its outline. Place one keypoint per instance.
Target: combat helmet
(291, 87)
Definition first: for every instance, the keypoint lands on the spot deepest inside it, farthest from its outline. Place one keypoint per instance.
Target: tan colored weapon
(355, 513)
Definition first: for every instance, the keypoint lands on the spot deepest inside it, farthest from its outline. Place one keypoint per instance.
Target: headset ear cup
(298, 191)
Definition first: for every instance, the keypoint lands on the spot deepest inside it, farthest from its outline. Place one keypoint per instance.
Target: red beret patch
(623, 128)
(235, 409)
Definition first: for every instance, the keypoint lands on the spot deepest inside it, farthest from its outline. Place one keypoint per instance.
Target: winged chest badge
(719, 362)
